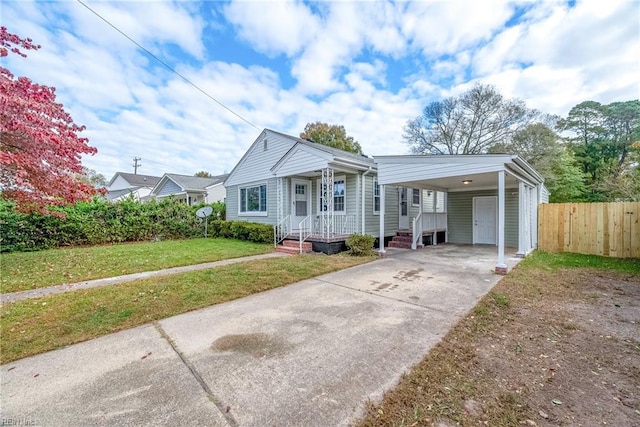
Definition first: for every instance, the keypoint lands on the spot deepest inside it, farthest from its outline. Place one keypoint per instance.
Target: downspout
(362, 219)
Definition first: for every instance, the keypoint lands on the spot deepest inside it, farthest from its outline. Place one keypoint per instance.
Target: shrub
(99, 222)
(242, 230)
(360, 244)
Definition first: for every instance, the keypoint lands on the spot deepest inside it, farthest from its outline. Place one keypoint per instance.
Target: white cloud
(342, 56)
(150, 23)
(560, 56)
(445, 27)
(273, 27)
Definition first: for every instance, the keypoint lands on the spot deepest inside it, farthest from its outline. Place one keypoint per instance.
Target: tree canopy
(331, 135)
(40, 146)
(593, 154)
(203, 174)
(467, 124)
(604, 140)
(92, 177)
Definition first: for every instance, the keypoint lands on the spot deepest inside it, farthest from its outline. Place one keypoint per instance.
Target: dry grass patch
(555, 343)
(34, 326)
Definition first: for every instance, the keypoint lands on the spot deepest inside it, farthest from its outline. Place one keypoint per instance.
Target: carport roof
(447, 172)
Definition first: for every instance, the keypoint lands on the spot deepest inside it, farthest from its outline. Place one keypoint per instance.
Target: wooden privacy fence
(608, 229)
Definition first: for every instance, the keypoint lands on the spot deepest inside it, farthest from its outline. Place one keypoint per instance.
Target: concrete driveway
(308, 354)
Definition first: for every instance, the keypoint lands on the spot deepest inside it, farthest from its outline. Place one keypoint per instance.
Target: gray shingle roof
(189, 182)
(137, 180)
(114, 194)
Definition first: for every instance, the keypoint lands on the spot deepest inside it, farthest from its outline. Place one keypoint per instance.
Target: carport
(488, 195)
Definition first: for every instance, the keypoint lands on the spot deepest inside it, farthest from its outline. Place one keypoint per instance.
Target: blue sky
(367, 65)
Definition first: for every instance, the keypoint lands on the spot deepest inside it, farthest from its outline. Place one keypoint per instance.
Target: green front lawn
(30, 270)
(34, 326)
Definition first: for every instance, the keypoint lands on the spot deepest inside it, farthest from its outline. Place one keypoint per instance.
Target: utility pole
(136, 165)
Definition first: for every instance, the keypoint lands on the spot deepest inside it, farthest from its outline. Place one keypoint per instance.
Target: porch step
(402, 239)
(405, 239)
(402, 245)
(293, 247)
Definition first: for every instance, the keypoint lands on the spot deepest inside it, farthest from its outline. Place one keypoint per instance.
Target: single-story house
(125, 185)
(319, 194)
(192, 190)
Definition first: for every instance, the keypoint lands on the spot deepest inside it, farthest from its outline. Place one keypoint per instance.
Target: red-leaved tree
(40, 147)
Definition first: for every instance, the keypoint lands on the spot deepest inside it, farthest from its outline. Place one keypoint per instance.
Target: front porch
(323, 205)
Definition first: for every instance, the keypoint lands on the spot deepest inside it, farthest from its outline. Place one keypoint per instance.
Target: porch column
(445, 209)
(381, 251)
(418, 223)
(326, 202)
(522, 218)
(501, 267)
(434, 238)
(535, 201)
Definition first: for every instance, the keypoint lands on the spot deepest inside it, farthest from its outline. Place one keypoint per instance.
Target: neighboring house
(192, 190)
(312, 192)
(125, 185)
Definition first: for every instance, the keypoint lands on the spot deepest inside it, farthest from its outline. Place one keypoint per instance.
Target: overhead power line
(168, 67)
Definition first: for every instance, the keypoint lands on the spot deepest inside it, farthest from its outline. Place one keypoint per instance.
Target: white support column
(501, 267)
(360, 187)
(434, 208)
(535, 201)
(522, 218)
(326, 202)
(445, 209)
(382, 209)
(421, 216)
(280, 200)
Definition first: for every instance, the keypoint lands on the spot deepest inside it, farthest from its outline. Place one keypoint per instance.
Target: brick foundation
(501, 270)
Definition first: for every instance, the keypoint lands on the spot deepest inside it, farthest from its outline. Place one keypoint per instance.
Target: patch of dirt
(258, 345)
(542, 349)
(575, 361)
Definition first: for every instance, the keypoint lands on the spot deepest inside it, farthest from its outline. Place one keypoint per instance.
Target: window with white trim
(253, 200)
(376, 196)
(415, 196)
(339, 195)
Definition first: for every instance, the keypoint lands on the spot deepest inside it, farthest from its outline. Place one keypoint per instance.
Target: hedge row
(101, 222)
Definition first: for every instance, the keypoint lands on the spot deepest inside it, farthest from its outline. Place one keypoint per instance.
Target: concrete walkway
(58, 289)
(308, 354)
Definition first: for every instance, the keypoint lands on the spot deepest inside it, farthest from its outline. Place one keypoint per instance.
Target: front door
(485, 222)
(403, 210)
(300, 202)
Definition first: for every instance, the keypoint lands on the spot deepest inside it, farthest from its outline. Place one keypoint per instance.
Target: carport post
(501, 267)
(382, 208)
(521, 219)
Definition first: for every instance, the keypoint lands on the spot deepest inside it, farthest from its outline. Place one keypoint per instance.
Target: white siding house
(309, 189)
(190, 189)
(313, 192)
(125, 185)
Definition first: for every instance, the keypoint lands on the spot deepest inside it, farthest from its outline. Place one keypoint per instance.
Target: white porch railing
(281, 230)
(427, 222)
(341, 225)
(305, 229)
(434, 221)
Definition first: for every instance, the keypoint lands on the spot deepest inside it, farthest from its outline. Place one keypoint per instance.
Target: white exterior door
(300, 202)
(403, 209)
(485, 220)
